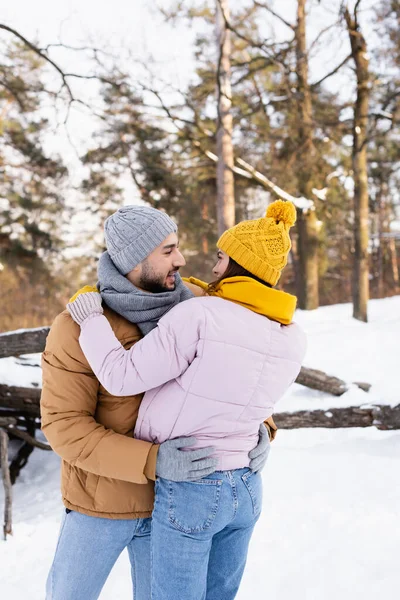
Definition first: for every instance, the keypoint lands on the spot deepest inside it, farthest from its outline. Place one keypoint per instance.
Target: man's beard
(152, 282)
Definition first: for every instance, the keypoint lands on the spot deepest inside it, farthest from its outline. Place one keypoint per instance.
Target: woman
(214, 368)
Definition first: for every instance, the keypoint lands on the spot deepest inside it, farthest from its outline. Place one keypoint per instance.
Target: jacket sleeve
(68, 406)
(162, 355)
(271, 428)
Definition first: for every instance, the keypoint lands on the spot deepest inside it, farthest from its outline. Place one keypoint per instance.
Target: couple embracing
(158, 395)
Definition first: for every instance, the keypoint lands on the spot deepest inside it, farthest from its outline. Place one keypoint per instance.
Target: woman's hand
(85, 304)
(259, 454)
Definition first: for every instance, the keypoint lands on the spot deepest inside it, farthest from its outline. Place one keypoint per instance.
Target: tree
(307, 226)
(32, 208)
(33, 181)
(360, 165)
(225, 177)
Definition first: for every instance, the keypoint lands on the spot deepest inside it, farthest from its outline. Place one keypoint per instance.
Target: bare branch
(249, 172)
(260, 45)
(333, 72)
(14, 95)
(23, 435)
(357, 5)
(274, 14)
(37, 50)
(321, 34)
(78, 49)
(300, 203)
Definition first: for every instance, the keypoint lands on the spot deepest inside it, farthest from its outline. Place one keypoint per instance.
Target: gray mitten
(177, 465)
(258, 456)
(85, 304)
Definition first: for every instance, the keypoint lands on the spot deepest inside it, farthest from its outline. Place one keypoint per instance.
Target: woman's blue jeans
(200, 535)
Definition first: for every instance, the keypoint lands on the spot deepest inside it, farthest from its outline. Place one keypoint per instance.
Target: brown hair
(234, 270)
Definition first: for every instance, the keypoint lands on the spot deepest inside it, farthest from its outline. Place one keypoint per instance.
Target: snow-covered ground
(331, 522)
(329, 529)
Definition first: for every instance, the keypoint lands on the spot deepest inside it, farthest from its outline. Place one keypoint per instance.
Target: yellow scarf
(274, 304)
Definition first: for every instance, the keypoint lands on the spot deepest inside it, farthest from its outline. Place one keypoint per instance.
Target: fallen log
(380, 416)
(318, 380)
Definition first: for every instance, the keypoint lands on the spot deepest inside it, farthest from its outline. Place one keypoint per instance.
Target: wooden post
(28, 341)
(5, 472)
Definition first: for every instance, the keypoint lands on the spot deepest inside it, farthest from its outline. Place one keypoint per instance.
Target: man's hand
(259, 454)
(178, 465)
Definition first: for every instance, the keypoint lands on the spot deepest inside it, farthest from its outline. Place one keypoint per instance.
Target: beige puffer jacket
(105, 471)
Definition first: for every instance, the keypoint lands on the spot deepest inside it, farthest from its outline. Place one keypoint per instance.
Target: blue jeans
(200, 535)
(87, 550)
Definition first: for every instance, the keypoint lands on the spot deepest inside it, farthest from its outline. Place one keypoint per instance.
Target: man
(107, 475)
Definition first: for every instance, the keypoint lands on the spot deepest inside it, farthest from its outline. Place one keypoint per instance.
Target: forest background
(208, 110)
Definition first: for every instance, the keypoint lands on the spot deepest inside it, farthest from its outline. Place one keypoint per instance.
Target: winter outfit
(136, 306)
(105, 472)
(262, 245)
(107, 475)
(213, 368)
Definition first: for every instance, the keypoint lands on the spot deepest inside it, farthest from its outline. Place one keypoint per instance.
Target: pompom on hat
(262, 245)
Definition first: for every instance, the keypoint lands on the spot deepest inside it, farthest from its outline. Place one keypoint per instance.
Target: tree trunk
(204, 238)
(225, 179)
(380, 264)
(307, 226)
(395, 267)
(360, 169)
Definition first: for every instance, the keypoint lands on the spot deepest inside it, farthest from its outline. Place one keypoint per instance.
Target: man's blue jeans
(200, 535)
(87, 550)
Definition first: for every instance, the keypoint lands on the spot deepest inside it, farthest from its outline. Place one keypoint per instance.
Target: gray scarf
(142, 308)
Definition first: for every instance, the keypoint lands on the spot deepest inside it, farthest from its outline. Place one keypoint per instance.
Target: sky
(119, 26)
(138, 28)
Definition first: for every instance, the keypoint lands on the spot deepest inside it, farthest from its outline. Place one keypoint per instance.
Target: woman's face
(222, 264)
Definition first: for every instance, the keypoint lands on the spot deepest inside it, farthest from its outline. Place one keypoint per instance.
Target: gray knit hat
(133, 232)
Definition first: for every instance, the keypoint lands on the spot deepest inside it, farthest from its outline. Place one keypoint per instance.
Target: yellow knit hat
(262, 246)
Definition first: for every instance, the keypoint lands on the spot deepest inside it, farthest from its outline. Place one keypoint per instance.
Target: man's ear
(134, 275)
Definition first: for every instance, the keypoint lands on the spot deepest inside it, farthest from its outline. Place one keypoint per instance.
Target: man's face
(157, 272)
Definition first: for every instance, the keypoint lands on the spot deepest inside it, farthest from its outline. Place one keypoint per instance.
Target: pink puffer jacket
(214, 369)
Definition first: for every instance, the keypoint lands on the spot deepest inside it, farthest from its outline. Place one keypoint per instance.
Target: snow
(23, 371)
(352, 351)
(330, 524)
